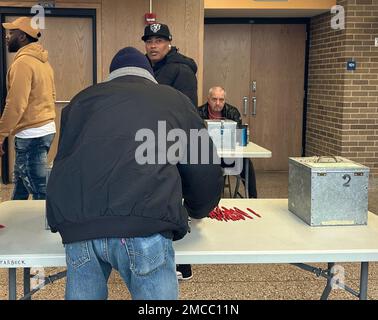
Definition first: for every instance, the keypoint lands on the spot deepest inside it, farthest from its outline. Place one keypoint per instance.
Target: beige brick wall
(342, 114)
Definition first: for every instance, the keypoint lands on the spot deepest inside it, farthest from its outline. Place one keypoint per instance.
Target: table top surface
(251, 150)
(277, 237)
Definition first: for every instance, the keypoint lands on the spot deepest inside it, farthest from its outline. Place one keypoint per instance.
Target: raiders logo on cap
(155, 27)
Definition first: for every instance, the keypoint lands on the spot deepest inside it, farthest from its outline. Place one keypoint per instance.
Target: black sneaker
(184, 272)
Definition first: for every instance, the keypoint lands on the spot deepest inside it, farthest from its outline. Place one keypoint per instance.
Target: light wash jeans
(30, 167)
(147, 265)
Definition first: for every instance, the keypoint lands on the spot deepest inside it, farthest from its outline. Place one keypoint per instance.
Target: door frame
(49, 12)
(304, 21)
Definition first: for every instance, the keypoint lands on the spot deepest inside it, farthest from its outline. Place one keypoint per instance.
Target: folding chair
(233, 171)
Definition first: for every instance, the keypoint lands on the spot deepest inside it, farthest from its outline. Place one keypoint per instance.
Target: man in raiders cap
(170, 67)
(29, 110)
(173, 69)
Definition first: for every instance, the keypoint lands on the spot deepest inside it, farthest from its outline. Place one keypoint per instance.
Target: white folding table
(277, 237)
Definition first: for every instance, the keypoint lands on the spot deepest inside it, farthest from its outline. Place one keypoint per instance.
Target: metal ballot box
(222, 132)
(325, 191)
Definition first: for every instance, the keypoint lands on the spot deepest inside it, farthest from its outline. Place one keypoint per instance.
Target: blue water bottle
(244, 135)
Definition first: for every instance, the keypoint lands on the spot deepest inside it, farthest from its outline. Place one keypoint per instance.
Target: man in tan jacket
(29, 110)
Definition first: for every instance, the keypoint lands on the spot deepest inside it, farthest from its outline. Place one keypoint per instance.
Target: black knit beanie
(130, 57)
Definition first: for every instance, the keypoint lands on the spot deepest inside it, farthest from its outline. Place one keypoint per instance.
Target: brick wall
(342, 114)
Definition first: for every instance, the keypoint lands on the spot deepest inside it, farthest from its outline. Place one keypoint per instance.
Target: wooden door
(278, 67)
(227, 62)
(69, 41)
(274, 57)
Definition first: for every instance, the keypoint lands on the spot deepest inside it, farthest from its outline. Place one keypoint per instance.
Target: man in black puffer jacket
(216, 107)
(116, 191)
(175, 70)
(170, 67)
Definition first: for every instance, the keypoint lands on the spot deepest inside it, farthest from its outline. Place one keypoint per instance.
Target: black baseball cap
(157, 30)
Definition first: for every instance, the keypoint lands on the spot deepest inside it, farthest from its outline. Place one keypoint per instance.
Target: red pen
(1, 226)
(243, 213)
(232, 215)
(256, 214)
(219, 214)
(228, 212)
(214, 214)
(239, 215)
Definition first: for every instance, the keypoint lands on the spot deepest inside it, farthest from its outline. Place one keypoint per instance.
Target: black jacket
(97, 189)
(179, 72)
(228, 112)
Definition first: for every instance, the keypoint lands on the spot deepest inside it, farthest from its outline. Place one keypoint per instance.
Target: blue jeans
(30, 167)
(147, 265)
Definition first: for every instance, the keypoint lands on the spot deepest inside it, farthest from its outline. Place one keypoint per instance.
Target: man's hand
(1, 149)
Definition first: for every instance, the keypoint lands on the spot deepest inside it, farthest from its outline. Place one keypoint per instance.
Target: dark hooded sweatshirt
(179, 72)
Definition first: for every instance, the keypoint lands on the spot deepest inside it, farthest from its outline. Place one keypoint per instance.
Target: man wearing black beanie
(114, 207)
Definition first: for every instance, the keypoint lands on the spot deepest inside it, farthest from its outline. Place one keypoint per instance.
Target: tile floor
(247, 282)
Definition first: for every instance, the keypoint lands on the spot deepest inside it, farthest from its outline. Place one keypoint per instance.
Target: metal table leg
(330, 275)
(12, 284)
(236, 191)
(364, 280)
(246, 180)
(27, 281)
(328, 287)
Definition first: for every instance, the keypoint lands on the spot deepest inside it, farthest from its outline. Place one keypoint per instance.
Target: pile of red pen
(234, 214)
